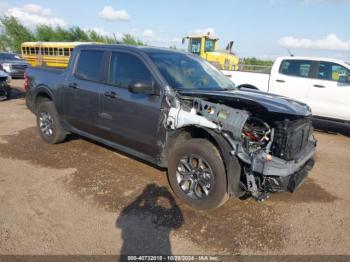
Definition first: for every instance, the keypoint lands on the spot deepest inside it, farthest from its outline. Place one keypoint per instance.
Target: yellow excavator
(207, 47)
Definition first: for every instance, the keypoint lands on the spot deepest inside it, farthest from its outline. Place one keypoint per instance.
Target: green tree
(13, 34)
(45, 33)
(96, 37)
(76, 34)
(128, 39)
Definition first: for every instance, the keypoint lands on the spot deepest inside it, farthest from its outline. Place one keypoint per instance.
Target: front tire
(48, 123)
(197, 175)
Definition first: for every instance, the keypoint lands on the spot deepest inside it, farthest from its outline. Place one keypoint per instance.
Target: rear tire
(205, 186)
(48, 123)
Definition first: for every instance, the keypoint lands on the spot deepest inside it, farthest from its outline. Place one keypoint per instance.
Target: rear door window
(125, 68)
(89, 65)
(300, 68)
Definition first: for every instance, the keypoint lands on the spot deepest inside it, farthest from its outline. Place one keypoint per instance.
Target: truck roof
(145, 49)
(325, 59)
(56, 44)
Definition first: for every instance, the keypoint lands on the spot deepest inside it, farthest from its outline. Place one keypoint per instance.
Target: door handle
(319, 86)
(111, 94)
(280, 81)
(73, 85)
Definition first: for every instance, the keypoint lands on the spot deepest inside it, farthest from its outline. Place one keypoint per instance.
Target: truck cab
(322, 83)
(207, 47)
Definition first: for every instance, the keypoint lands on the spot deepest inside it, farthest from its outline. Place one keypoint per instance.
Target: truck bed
(258, 80)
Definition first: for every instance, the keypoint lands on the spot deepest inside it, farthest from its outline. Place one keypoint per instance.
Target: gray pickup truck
(178, 112)
(13, 65)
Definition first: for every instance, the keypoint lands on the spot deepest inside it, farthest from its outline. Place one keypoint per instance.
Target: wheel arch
(231, 163)
(248, 86)
(42, 93)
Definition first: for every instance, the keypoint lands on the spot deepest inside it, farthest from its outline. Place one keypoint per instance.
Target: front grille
(19, 67)
(291, 137)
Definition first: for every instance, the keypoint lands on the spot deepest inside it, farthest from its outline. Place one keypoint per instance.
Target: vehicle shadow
(331, 127)
(146, 223)
(17, 93)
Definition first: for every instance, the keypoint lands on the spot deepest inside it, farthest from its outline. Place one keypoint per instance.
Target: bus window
(55, 52)
(70, 51)
(60, 52)
(46, 51)
(32, 51)
(50, 51)
(27, 50)
(23, 50)
(66, 52)
(37, 50)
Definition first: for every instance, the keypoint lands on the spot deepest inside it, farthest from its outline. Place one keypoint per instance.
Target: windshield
(187, 72)
(5, 56)
(209, 45)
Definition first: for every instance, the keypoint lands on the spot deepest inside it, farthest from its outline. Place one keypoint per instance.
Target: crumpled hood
(272, 103)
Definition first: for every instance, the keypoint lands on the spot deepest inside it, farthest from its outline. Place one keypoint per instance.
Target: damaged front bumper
(278, 175)
(288, 183)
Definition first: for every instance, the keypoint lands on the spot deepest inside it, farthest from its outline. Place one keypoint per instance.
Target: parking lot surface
(80, 197)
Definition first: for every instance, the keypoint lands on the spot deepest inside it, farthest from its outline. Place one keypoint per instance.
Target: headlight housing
(6, 67)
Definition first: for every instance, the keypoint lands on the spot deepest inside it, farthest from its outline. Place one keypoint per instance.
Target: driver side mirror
(142, 87)
(344, 79)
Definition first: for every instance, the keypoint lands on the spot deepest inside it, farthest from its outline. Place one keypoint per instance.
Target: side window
(195, 46)
(301, 68)
(66, 52)
(124, 68)
(89, 65)
(331, 71)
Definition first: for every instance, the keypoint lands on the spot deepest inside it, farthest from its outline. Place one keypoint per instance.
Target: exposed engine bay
(275, 150)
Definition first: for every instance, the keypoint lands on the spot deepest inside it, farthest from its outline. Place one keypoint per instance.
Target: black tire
(217, 195)
(58, 134)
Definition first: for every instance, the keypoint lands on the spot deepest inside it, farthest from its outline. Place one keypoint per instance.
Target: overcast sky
(261, 28)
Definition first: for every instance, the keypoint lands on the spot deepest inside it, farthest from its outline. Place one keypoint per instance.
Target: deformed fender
(233, 167)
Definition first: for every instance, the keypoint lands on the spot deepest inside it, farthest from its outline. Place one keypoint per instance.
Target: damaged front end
(273, 143)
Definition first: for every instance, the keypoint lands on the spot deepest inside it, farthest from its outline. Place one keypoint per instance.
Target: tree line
(13, 34)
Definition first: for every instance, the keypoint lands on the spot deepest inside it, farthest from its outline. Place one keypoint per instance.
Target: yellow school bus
(50, 54)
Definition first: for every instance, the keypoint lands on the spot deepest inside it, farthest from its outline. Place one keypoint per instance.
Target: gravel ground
(83, 198)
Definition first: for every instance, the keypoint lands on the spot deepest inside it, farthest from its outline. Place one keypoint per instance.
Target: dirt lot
(83, 198)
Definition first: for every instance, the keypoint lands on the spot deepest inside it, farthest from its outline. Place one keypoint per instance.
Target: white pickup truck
(322, 83)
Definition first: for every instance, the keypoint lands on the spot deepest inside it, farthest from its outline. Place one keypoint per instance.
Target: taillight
(26, 83)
